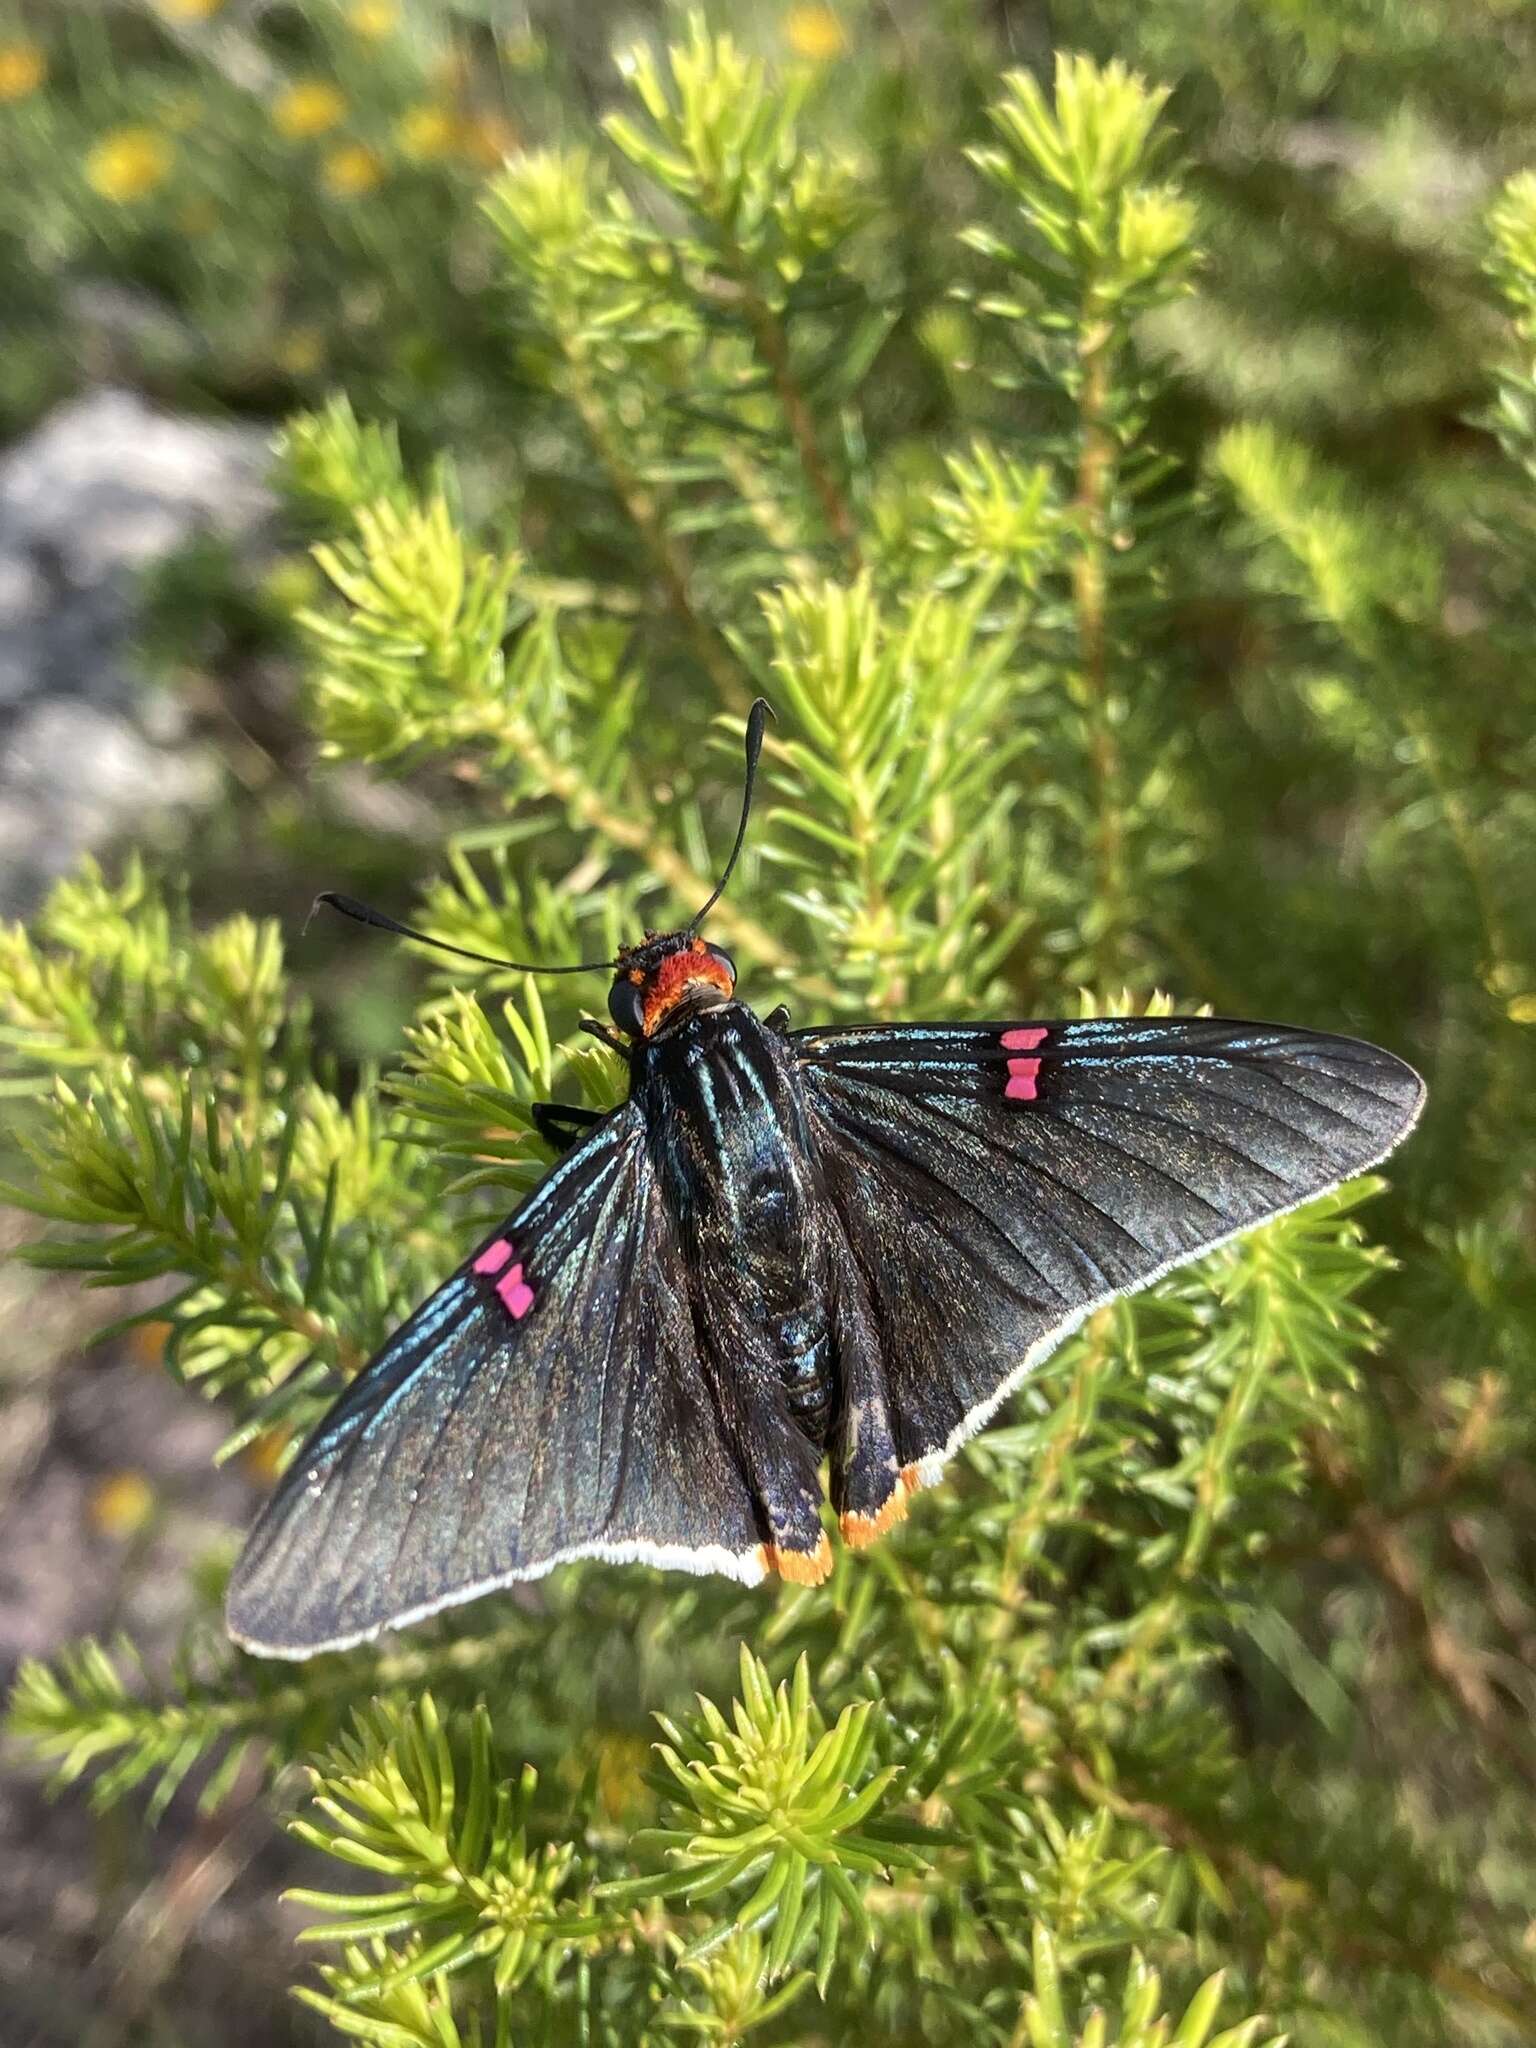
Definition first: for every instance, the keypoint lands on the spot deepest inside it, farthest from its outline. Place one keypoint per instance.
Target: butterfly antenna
(757, 719)
(364, 913)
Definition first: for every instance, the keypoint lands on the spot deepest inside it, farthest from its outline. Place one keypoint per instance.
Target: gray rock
(73, 776)
(105, 488)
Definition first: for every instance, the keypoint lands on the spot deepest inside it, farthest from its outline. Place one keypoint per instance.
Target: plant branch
(772, 345)
(1096, 467)
(674, 563)
(1284, 1894)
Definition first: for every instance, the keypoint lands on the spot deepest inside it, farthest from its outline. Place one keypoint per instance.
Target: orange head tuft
(678, 975)
(664, 973)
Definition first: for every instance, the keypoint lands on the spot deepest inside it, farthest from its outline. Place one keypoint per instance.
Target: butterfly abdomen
(808, 1369)
(725, 1109)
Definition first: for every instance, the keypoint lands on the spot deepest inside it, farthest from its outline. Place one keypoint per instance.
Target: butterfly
(847, 1243)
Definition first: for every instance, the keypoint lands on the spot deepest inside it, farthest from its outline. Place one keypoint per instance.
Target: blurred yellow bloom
(198, 217)
(523, 50)
(487, 139)
(264, 1459)
(374, 19)
(621, 1766)
(350, 171)
(189, 10)
(815, 32)
(121, 1504)
(308, 108)
(146, 1343)
(300, 352)
(427, 131)
(23, 67)
(128, 163)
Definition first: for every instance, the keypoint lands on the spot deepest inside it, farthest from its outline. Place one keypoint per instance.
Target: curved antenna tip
(326, 897)
(757, 719)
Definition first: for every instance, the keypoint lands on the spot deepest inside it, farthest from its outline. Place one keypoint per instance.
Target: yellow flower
(23, 67)
(815, 32)
(307, 108)
(487, 139)
(374, 19)
(264, 1459)
(300, 352)
(189, 10)
(128, 163)
(427, 131)
(121, 1504)
(147, 1341)
(350, 171)
(198, 217)
(523, 50)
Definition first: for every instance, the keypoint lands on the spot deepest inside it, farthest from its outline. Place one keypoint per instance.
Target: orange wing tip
(800, 1567)
(859, 1530)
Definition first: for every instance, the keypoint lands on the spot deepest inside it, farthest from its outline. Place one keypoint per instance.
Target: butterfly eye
(626, 1006)
(719, 953)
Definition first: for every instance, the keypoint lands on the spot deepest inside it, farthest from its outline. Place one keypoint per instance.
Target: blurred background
(215, 213)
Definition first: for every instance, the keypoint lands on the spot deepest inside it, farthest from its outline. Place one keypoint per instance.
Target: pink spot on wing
(1023, 1074)
(1021, 1080)
(516, 1295)
(494, 1257)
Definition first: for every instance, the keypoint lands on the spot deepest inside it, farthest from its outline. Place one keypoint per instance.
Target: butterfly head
(668, 972)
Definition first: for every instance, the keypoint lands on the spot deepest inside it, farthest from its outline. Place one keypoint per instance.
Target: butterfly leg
(560, 1124)
(777, 1018)
(607, 1034)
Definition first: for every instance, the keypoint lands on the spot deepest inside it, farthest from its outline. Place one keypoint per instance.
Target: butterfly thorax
(725, 1110)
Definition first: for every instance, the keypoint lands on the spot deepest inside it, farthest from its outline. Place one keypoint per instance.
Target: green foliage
(391, 1799)
(1192, 1710)
(897, 781)
(243, 174)
(776, 1806)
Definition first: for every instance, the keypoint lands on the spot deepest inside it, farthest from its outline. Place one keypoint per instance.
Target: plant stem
(1285, 1894)
(673, 561)
(1053, 1475)
(768, 515)
(772, 345)
(1096, 465)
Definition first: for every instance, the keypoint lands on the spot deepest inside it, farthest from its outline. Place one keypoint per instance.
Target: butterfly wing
(996, 1183)
(548, 1402)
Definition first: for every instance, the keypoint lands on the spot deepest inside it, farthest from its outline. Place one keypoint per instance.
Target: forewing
(996, 1183)
(548, 1402)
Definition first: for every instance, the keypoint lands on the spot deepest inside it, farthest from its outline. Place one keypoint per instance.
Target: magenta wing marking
(512, 1290)
(515, 1293)
(1022, 1074)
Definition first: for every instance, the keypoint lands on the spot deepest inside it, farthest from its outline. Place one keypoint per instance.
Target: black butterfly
(850, 1243)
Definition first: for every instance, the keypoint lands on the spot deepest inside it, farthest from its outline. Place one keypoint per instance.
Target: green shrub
(1201, 1690)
